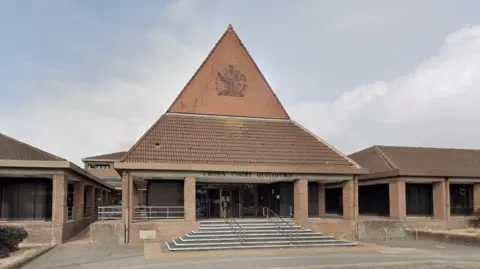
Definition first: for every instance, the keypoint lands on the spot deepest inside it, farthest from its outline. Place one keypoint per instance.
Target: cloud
(435, 105)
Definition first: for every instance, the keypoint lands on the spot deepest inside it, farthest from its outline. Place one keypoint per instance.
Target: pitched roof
(110, 156)
(229, 83)
(419, 161)
(202, 139)
(12, 149)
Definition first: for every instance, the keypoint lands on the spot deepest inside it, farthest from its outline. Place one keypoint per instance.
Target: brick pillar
(189, 199)
(348, 200)
(300, 200)
(91, 201)
(126, 197)
(440, 200)
(321, 199)
(78, 200)
(59, 206)
(398, 202)
(476, 196)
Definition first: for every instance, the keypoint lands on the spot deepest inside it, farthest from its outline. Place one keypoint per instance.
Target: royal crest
(231, 82)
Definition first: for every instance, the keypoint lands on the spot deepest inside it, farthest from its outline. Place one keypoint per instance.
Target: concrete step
(232, 234)
(249, 231)
(254, 243)
(235, 227)
(210, 248)
(253, 239)
(245, 222)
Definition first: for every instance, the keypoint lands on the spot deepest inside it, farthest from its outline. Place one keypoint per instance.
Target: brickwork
(189, 199)
(398, 203)
(90, 201)
(164, 230)
(59, 197)
(476, 196)
(78, 200)
(321, 199)
(348, 196)
(300, 196)
(440, 198)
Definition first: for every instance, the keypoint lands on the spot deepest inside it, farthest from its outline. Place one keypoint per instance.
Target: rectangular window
(461, 199)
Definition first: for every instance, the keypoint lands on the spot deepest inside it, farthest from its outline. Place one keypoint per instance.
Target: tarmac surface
(373, 255)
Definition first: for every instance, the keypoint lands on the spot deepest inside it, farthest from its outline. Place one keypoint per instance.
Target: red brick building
(422, 187)
(48, 195)
(227, 139)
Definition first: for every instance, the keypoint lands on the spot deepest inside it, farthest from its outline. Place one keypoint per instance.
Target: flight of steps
(257, 234)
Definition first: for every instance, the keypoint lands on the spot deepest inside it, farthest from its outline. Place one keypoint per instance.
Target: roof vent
(157, 145)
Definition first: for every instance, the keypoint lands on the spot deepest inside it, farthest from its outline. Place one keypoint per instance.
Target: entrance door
(225, 200)
(249, 199)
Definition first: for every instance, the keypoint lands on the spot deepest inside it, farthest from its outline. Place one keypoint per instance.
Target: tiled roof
(418, 161)
(12, 149)
(201, 139)
(110, 156)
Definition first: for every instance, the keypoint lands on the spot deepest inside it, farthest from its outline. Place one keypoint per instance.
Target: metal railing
(158, 212)
(267, 212)
(113, 212)
(240, 232)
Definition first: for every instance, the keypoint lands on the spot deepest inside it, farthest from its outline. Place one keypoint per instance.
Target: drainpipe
(355, 203)
(52, 236)
(447, 203)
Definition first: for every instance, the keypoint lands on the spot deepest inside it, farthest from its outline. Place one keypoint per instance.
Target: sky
(80, 78)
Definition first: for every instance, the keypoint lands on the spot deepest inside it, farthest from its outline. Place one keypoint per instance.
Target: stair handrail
(266, 213)
(241, 235)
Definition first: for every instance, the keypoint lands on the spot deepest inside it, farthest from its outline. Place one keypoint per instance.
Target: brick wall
(165, 230)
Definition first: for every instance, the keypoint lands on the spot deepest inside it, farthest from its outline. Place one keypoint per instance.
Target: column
(321, 199)
(78, 200)
(126, 197)
(440, 198)
(476, 197)
(348, 196)
(189, 200)
(90, 201)
(300, 200)
(59, 204)
(398, 203)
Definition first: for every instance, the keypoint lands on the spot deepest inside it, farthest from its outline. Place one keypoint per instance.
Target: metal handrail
(266, 213)
(240, 235)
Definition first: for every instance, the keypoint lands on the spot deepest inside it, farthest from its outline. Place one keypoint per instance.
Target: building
(102, 167)
(51, 197)
(228, 139)
(422, 187)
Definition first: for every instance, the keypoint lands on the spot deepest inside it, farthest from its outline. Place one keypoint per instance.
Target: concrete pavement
(407, 254)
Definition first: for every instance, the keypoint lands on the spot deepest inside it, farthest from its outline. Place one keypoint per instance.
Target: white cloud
(435, 105)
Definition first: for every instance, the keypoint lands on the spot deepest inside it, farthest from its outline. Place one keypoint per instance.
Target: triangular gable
(229, 83)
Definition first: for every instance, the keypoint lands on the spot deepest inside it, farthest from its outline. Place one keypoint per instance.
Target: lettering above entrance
(231, 82)
(247, 174)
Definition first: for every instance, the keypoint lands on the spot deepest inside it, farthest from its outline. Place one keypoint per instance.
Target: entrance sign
(248, 174)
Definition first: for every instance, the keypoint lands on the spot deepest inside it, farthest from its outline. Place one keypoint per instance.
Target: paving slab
(411, 255)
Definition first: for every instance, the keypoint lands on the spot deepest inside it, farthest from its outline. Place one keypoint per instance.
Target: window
(461, 199)
(99, 166)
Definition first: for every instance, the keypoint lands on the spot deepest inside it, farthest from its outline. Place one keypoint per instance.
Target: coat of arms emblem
(231, 82)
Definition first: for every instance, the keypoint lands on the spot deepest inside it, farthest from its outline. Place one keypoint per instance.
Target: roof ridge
(224, 116)
(33, 147)
(327, 144)
(249, 56)
(385, 158)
